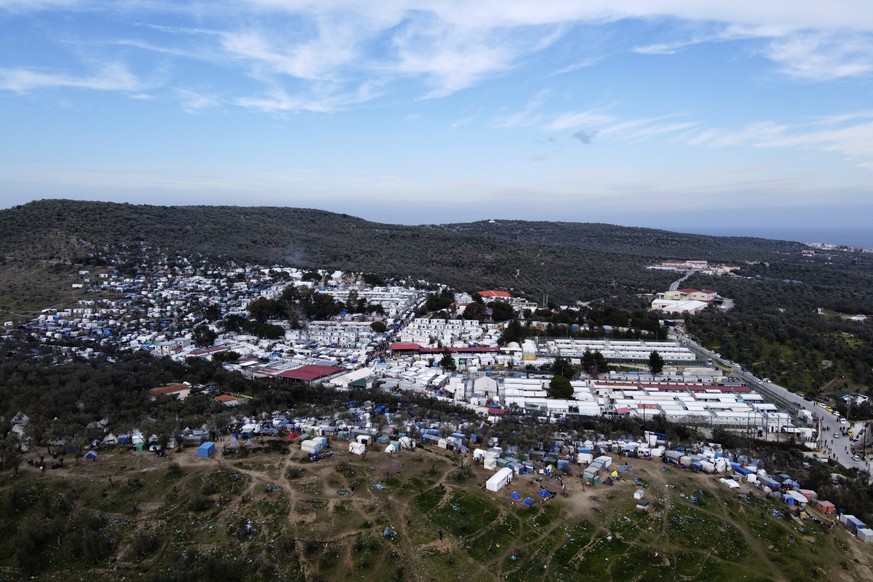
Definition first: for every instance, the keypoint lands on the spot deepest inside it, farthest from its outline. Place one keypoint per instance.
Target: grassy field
(422, 515)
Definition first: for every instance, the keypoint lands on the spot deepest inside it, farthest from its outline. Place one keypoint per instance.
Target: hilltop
(267, 513)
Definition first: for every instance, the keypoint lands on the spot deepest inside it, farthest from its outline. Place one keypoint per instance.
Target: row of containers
(857, 527)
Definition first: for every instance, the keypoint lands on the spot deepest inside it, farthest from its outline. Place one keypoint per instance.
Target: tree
(447, 362)
(203, 336)
(475, 311)
(513, 332)
(212, 312)
(10, 453)
(594, 363)
(228, 356)
(262, 309)
(501, 311)
(378, 326)
(656, 363)
(560, 387)
(563, 367)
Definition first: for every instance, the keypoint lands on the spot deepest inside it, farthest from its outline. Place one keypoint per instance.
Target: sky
(724, 117)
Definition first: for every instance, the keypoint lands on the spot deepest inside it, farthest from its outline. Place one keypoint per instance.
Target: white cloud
(327, 100)
(317, 58)
(193, 102)
(110, 77)
(850, 135)
(578, 119)
(822, 57)
(450, 45)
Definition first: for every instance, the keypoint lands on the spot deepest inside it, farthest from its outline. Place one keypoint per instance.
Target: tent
(545, 494)
(528, 501)
(90, 455)
(514, 496)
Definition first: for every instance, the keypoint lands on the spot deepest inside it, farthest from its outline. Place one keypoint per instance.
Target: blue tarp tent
(206, 450)
(90, 455)
(545, 493)
(529, 501)
(514, 496)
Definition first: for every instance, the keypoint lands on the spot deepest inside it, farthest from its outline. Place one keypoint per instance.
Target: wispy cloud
(822, 57)
(432, 49)
(326, 100)
(578, 119)
(194, 102)
(110, 77)
(850, 135)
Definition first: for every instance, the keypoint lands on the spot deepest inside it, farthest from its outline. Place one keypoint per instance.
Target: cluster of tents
(544, 495)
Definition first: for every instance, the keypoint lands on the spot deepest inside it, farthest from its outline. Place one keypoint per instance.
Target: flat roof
(310, 372)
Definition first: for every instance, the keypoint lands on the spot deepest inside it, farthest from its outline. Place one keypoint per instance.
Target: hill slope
(266, 513)
(567, 261)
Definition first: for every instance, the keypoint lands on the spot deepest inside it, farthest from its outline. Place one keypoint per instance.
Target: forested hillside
(567, 261)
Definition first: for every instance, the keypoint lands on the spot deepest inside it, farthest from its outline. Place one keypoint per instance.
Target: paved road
(675, 284)
(838, 448)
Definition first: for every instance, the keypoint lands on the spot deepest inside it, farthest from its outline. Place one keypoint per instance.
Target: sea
(862, 238)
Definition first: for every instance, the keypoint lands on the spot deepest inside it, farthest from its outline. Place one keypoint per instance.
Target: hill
(566, 261)
(267, 513)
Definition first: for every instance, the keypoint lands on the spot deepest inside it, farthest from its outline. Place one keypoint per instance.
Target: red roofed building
(313, 374)
(180, 391)
(492, 294)
(227, 400)
(400, 347)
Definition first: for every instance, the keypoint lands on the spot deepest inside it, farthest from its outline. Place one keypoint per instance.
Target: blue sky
(719, 116)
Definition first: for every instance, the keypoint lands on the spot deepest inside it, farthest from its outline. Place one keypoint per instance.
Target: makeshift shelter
(528, 501)
(794, 498)
(825, 507)
(206, 450)
(515, 496)
(639, 494)
(500, 479)
(357, 448)
(90, 455)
